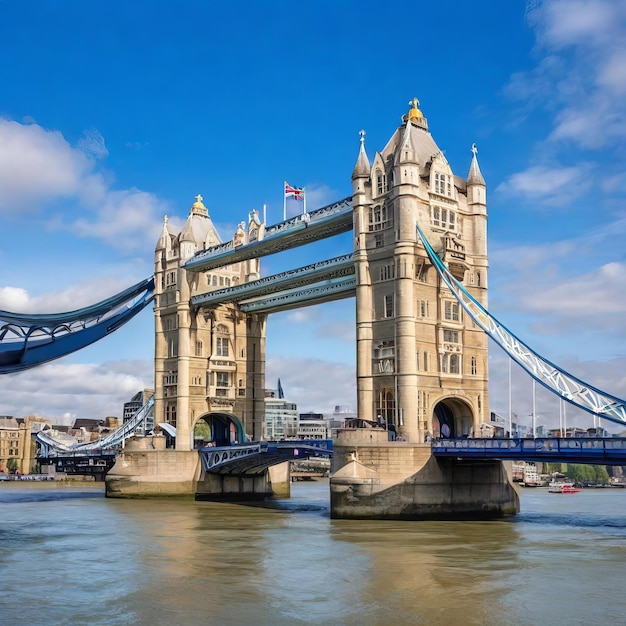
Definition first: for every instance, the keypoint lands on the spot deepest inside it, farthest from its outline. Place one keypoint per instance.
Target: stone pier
(146, 469)
(373, 478)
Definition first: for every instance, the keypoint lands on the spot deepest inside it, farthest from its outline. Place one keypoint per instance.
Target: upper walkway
(328, 221)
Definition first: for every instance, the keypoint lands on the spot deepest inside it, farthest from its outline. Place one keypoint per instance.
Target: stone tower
(421, 362)
(210, 360)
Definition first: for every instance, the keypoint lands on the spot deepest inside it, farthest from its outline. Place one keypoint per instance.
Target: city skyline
(228, 102)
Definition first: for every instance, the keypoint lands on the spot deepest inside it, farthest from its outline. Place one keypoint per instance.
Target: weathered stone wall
(153, 472)
(398, 480)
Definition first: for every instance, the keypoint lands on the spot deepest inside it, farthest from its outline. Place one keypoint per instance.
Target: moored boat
(562, 487)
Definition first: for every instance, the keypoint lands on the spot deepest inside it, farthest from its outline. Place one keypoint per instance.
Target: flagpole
(265, 213)
(304, 198)
(284, 201)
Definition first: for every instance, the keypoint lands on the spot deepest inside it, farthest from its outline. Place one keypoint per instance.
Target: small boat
(557, 487)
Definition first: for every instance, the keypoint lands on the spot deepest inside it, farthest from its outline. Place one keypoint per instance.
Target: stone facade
(208, 360)
(421, 362)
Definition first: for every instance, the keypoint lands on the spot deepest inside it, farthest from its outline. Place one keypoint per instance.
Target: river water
(68, 555)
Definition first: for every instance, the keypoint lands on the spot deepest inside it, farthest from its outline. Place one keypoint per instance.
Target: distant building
(281, 416)
(136, 403)
(313, 426)
(17, 446)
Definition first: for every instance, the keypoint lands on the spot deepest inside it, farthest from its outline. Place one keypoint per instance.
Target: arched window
(386, 406)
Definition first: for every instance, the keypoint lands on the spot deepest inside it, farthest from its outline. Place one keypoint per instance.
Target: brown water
(71, 556)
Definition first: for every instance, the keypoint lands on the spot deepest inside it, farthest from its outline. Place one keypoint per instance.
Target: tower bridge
(419, 274)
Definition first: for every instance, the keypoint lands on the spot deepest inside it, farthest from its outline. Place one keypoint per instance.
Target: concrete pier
(146, 469)
(373, 478)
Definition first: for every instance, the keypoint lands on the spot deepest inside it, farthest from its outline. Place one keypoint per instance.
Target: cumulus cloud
(37, 165)
(76, 296)
(63, 389)
(38, 168)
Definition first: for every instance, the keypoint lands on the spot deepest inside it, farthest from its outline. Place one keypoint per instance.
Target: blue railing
(589, 450)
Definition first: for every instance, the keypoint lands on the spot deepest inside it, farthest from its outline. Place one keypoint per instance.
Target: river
(70, 556)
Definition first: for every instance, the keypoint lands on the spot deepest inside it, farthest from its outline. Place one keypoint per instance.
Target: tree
(12, 466)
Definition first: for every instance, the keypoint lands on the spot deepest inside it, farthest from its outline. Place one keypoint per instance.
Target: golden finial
(415, 113)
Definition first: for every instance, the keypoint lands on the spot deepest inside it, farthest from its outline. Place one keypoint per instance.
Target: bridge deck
(255, 458)
(588, 450)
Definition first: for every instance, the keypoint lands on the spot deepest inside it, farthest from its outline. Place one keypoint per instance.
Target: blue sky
(113, 114)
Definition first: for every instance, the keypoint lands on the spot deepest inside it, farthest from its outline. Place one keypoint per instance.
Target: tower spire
(475, 176)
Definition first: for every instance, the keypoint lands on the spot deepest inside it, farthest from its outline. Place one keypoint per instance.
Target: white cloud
(554, 186)
(38, 167)
(313, 384)
(77, 296)
(13, 299)
(582, 78)
(125, 219)
(80, 390)
(92, 142)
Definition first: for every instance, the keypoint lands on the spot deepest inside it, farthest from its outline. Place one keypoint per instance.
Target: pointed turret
(362, 168)
(165, 239)
(475, 176)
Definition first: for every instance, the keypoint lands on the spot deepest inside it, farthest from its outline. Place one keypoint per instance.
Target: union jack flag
(297, 193)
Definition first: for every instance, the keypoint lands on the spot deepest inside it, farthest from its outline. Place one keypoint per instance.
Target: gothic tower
(421, 362)
(208, 360)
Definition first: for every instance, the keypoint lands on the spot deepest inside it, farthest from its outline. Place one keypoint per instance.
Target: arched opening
(452, 418)
(386, 406)
(218, 429)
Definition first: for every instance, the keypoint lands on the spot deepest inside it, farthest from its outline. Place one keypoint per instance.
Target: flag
(297, 193)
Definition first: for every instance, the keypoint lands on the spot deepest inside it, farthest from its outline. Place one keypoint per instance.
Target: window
(170, 379)
(380, 217)
(379, 241)
(450, 363)
(474, 366)
(451, 311)
(425, 361)
(170, 413)
(221, 346)
(384, 357)
(169, 322)
(451, 336)
(387, 272)
(421, 272)
(170, 279)
(221, 379)
(424, 308)
(381, 183)
(386, 406)
(388, 306)
(172, 348)
(443, 184)
(443, 218)
(198, 348)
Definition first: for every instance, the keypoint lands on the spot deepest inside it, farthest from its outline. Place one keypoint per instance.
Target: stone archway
(218, 429)
(452, 418)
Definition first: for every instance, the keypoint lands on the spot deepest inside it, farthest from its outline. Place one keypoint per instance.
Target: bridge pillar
(372, 478)
(273, 482)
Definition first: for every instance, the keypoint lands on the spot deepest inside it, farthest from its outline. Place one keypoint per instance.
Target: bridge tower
(421, 363)
(207, 360)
